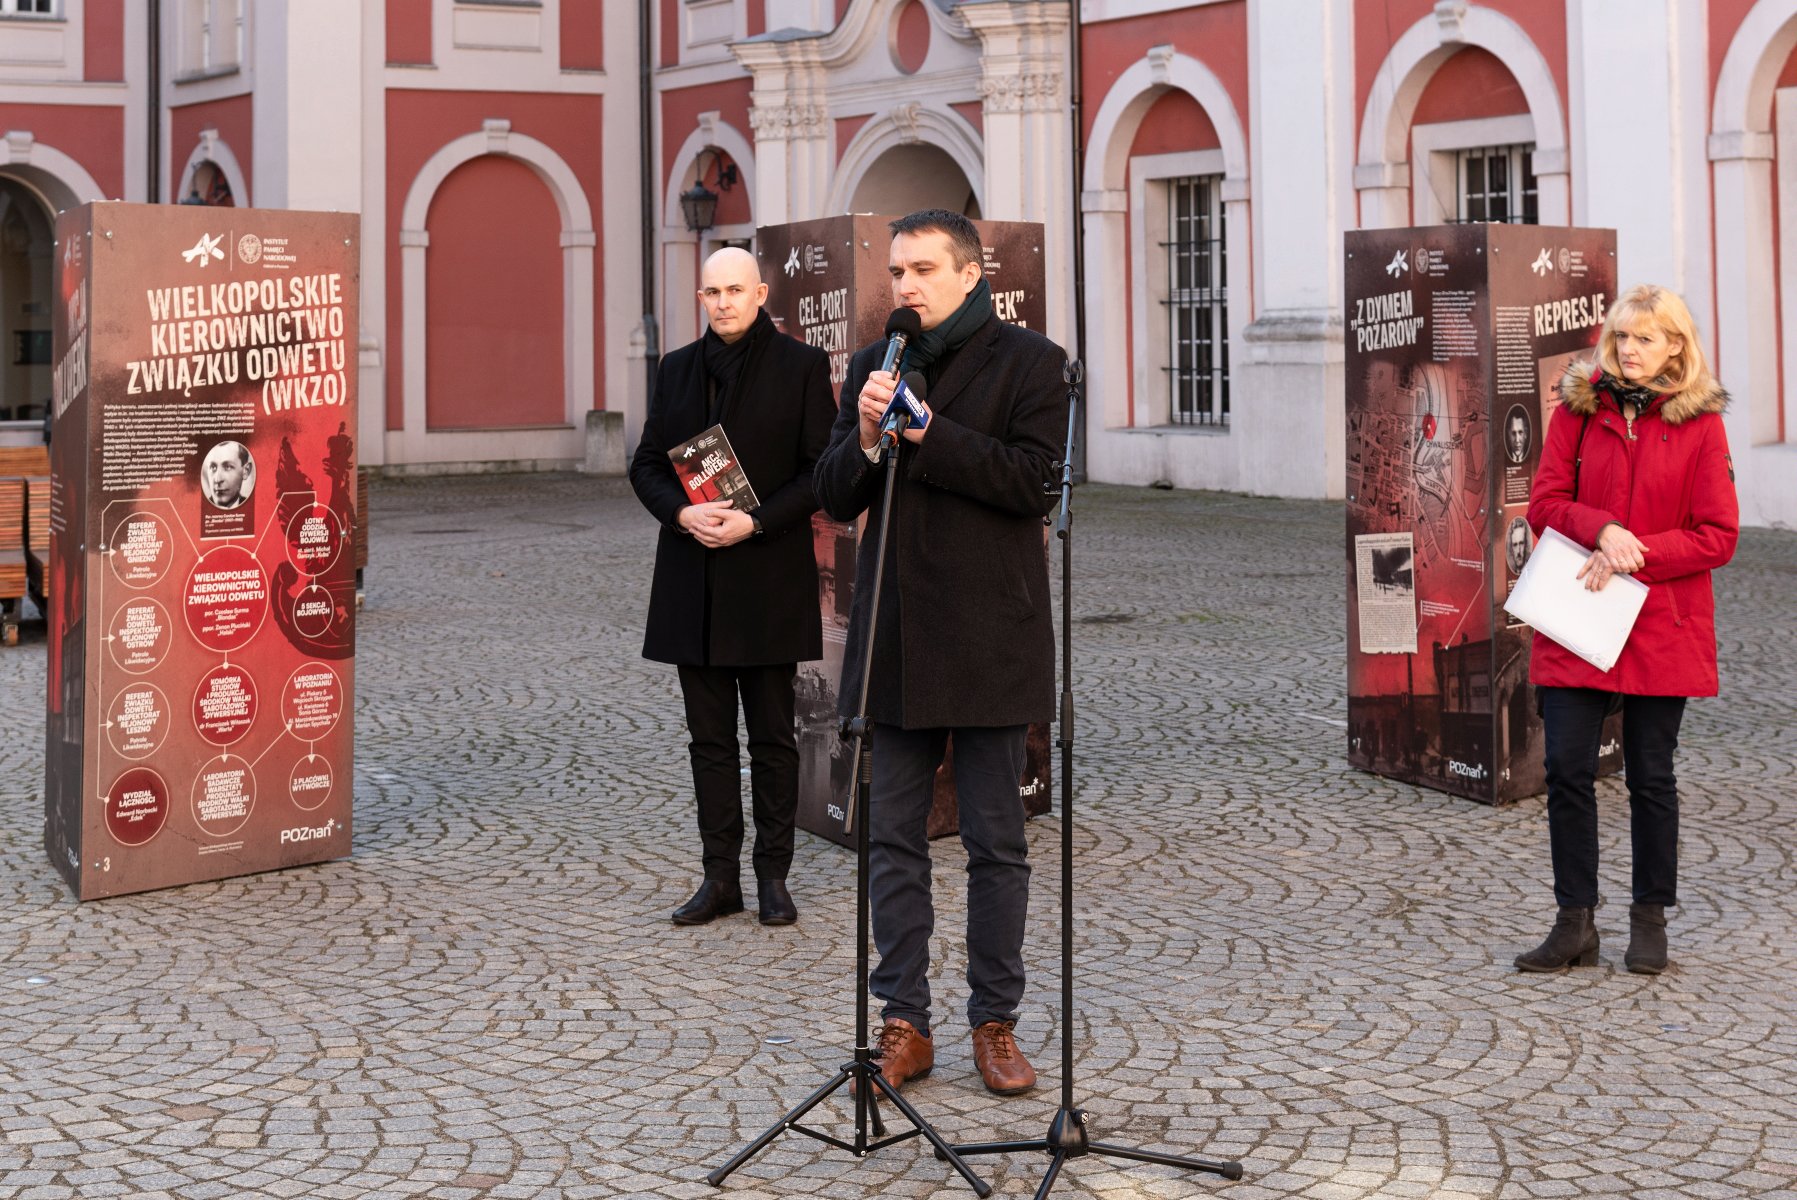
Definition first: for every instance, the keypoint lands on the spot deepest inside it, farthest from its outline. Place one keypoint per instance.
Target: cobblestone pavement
(1283, 960)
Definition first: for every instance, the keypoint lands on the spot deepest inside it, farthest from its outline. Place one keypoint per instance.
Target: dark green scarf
(933, 344)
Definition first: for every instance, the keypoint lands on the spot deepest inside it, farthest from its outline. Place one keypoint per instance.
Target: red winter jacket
(1673, 486)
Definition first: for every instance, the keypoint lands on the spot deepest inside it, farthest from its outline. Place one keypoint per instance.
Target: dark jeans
(767, 702)
(988, 765)
(1574, 720)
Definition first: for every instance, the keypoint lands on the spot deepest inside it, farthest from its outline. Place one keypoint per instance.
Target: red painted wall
(1216, 35)
(1725, 21)
(1176, 123)
(975, 112)
(670, 32)
(233, 118)
(419, 123)
(756, 17)
(1379, 23)
(680, 111)
(103, 41)
(913, 40)
(846, 129)
(495, 305)
(1473, 83)
(93, 136)
(408, 31)
(583, 36)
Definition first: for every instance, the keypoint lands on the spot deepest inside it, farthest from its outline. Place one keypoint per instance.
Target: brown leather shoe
(1001, 1063)
(903, 1053)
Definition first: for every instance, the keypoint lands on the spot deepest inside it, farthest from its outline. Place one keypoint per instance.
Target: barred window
(1197, 302)
(1497, 183)
(27, 8)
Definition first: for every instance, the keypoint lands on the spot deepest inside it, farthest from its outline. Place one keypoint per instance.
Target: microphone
(903, 325)
(906, 408)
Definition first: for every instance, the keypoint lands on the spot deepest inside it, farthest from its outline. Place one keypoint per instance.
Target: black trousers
(767, 703)
(988, 765)
(1574, 721)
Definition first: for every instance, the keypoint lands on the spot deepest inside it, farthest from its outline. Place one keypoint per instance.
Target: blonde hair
(1663, 308)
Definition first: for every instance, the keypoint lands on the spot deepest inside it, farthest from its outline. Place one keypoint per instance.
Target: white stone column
(308, 111)
(371, 373)
(790, 121)
(1609, 43)
(1287, 398)
(1746, 331)
(415, 419)
(1028, 166)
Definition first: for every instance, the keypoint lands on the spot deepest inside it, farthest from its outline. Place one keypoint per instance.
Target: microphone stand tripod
(863, 1073)
(1067, 1136)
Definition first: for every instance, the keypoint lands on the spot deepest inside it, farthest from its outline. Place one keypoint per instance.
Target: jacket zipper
(1628, 415)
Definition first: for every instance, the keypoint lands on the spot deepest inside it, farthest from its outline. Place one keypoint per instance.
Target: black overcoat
(763, 590)
(965, 636)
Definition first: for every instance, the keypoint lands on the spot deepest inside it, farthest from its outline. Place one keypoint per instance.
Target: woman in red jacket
(1637, 465)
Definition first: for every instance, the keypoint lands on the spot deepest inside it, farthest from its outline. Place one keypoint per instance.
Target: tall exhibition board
(202, 582)
(828, 286)
(1457, 338)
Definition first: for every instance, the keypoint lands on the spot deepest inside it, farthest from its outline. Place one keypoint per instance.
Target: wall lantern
(699, 204)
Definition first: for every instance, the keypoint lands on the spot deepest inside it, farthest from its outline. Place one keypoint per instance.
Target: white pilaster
(1287, 398)
(1023, 73)
(371, 374)
(308, 110)
(1610, 43)
(789, 117)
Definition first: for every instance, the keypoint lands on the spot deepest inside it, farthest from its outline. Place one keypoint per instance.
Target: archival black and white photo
(1385, 586)
(228, 475)
(1518, 434)
(1517, 543)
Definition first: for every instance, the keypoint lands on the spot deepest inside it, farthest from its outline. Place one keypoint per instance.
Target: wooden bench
(24, 460)
(14, 576)
(24, 531)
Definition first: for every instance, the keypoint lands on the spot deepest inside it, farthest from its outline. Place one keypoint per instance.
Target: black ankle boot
(1647, 939)
(1572, 942)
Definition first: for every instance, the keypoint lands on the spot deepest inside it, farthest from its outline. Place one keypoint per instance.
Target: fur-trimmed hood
(1583, 380)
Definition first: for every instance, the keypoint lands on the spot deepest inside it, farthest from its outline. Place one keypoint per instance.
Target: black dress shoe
(777, 907)
(712, 900)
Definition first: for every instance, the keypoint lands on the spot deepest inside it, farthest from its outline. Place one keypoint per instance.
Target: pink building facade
(526, 251)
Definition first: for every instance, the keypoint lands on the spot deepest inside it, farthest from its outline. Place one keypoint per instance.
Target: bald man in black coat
(734, 601)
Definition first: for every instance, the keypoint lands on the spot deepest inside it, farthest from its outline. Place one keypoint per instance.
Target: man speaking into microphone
(965, 639)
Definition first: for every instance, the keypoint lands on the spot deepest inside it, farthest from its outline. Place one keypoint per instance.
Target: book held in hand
(1550, 596)
(709, 470)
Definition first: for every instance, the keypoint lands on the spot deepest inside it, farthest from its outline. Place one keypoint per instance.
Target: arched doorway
(912, 176)
(27, 254)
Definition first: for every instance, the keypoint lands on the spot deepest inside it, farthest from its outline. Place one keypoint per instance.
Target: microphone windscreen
(905, 321)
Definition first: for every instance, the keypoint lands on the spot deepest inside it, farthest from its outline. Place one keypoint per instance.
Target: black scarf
(724, 361)
(932, 345)
(1627, 393)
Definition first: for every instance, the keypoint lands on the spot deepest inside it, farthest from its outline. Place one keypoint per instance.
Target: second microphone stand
(863, 1074)
(1067, 1137)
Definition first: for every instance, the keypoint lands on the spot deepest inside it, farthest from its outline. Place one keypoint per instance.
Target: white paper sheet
(1550, 596)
